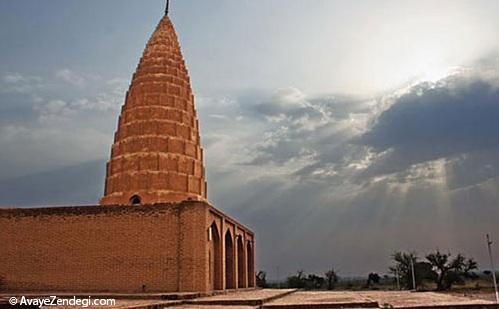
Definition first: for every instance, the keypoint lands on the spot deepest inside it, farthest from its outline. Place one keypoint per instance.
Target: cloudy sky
(338, 131)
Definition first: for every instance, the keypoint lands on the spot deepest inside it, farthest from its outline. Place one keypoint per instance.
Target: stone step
(256, 297)
(322, 306)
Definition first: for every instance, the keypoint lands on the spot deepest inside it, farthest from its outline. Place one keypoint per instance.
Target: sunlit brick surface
(126, 249)
(155, 248)
(156, 154)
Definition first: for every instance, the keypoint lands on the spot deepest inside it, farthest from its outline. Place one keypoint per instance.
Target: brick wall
(104, 248)
(165, 247)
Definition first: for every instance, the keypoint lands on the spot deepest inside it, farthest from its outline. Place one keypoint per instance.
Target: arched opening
(135, 200)
(229, 261)
(251, 265)
(215, 258)
(241, 267)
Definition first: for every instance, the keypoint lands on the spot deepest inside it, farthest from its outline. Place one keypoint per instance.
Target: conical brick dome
(156, 156)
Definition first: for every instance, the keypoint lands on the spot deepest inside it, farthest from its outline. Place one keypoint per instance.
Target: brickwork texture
(157, 155)
(161, 248)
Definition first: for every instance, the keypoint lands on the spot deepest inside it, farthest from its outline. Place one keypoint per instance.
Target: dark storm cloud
(453, 118)
(458, 115)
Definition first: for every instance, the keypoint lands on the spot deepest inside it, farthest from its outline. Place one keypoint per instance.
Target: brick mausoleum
(154, 229)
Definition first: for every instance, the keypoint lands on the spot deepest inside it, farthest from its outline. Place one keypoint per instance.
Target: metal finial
(167, 7)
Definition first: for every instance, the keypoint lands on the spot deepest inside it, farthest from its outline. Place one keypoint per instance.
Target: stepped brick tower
(177, 242)
(156, 156)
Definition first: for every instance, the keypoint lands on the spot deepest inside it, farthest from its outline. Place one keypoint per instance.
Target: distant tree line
(441, 270)
(312, 281)
(303, 281)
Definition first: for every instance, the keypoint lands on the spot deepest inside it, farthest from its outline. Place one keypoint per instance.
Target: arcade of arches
(231, 256)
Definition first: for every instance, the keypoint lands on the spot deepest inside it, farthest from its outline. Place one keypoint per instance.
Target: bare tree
(450, 271)
(331, 278)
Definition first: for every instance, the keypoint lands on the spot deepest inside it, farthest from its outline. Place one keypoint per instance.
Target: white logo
(13, 301)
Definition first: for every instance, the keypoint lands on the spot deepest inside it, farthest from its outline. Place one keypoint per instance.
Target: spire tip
(167, 9)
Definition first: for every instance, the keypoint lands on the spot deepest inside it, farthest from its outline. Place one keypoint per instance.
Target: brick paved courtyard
(288, 298)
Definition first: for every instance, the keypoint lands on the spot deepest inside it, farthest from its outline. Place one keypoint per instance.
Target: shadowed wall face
(156, 156)
(241, 264)
(215, 258)
(229, 261)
